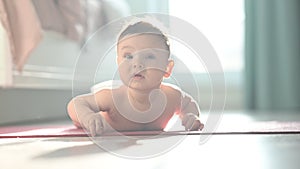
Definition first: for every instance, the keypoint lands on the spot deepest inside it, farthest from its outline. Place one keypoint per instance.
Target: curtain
(272, 55)
(20, 34)
(23, 29)
(5, 59)
(23, 21)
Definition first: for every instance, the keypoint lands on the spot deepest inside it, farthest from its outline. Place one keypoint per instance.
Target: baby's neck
(146, 100)
(136, 96)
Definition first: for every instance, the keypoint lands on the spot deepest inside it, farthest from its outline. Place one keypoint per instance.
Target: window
(222, 22)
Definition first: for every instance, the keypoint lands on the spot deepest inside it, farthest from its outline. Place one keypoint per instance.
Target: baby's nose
(138, 63)
(138, 66)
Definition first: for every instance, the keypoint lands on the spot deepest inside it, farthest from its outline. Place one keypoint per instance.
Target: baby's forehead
(142, 41)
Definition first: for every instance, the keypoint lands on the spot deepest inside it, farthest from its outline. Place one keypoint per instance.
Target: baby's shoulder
(106, 86)
(107, 90)
(171, 89)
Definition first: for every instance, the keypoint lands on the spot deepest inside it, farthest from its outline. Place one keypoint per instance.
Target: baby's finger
(201, 126)
(185, 119)
(92, 128)
(99, 127)
(196, 125)
(189, 124)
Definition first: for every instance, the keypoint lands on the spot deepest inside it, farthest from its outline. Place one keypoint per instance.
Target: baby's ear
(169, 69)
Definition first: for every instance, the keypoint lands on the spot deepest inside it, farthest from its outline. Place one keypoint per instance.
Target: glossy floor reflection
(265, 150)
(221, 151)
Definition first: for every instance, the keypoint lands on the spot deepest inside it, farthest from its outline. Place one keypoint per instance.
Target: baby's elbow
(71, 109)
(72, 113)
(70, 106)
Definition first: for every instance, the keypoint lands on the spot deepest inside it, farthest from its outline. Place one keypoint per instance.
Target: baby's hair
(144, 26)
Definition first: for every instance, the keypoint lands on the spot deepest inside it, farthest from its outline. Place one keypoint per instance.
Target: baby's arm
(189, 113)
(84, 112)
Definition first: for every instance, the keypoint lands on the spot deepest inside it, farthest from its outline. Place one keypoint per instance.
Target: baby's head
(144, 28)
(143, 55)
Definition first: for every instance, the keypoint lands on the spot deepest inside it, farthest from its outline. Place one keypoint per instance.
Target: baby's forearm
(189, 114)
(81, 107)
(189, 105)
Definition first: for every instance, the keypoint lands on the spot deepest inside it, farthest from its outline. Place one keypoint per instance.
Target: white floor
(220, 151)
(266, 151)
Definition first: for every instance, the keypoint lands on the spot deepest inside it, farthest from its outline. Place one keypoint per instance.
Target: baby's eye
(128, 56)
(151, 57)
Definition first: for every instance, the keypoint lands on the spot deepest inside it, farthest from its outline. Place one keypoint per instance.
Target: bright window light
(222, 22)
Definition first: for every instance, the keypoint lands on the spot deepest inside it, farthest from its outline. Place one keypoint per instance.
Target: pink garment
(63, 16)
(23, 28)
(24, 20)
(75, 19)
(6, 74)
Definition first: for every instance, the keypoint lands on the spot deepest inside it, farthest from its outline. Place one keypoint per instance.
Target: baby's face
(142, 61)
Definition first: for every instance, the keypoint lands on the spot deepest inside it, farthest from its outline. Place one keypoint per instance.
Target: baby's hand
(192, 122)
(94, 124)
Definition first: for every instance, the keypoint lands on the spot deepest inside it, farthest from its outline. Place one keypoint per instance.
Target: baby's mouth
(138, 76)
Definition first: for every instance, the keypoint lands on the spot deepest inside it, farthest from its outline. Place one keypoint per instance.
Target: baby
(142, 101)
